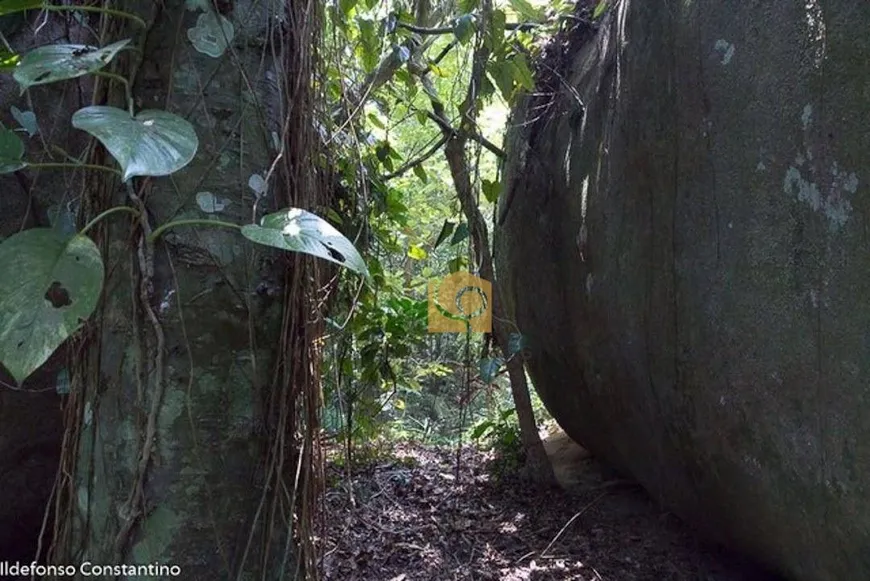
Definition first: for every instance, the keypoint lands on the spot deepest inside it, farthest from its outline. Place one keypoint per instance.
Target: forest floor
(414, 517)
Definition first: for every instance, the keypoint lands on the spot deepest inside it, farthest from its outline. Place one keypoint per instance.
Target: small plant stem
(108, 11)
(123, 81)
(63, 165)
(63, 152)
(107, 213)
(197, 222)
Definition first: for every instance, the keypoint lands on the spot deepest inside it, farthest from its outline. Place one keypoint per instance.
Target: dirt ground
(415, 518)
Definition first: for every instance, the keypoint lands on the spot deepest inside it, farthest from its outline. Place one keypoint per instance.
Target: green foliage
(464, 28)
(12, 6)
(59, 62)
(11, 151)
(491, 190)
(525, 9)
(54, 291)
(59, 276)
(501, 435)
(600, 8)
(8, 60)
(301, 231)
(392, 89)
(153, 143)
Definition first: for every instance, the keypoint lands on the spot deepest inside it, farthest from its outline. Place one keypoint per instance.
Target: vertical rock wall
(683, 239)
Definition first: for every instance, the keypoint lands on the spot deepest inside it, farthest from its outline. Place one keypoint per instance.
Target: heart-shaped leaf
(58, 62)
(258, 184)
(27, 120)
(153, 143)
(212, 34)
(300, 231)
(491, 190)
(11, 151)
(210, 203)
(56, 284)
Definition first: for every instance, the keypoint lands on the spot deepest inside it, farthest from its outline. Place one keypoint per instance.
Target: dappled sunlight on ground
(413, 517)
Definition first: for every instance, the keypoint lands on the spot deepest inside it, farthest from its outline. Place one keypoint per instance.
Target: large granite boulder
(684, 240)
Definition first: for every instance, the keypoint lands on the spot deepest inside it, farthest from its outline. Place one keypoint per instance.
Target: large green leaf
(369, 48)
(527, 11)
(502, 73)
(50, 285)
(58, 62)
(491, 190)
(12, 6)
(300, 231)
(153, 143)
(522, 73)
(346, 6)
(497, 25)
(11, 151)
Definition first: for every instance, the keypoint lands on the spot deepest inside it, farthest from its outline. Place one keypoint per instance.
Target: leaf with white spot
(300, 231)
(153, 143)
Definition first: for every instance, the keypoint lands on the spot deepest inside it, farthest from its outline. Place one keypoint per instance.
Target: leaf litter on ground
(415, 517)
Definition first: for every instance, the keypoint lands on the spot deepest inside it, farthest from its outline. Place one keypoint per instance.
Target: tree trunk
(537, 463)
(180, 424)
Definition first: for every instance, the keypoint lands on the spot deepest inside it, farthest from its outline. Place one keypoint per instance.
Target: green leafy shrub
(501, 436)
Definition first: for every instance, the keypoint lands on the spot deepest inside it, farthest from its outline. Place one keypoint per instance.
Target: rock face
(683, 240)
